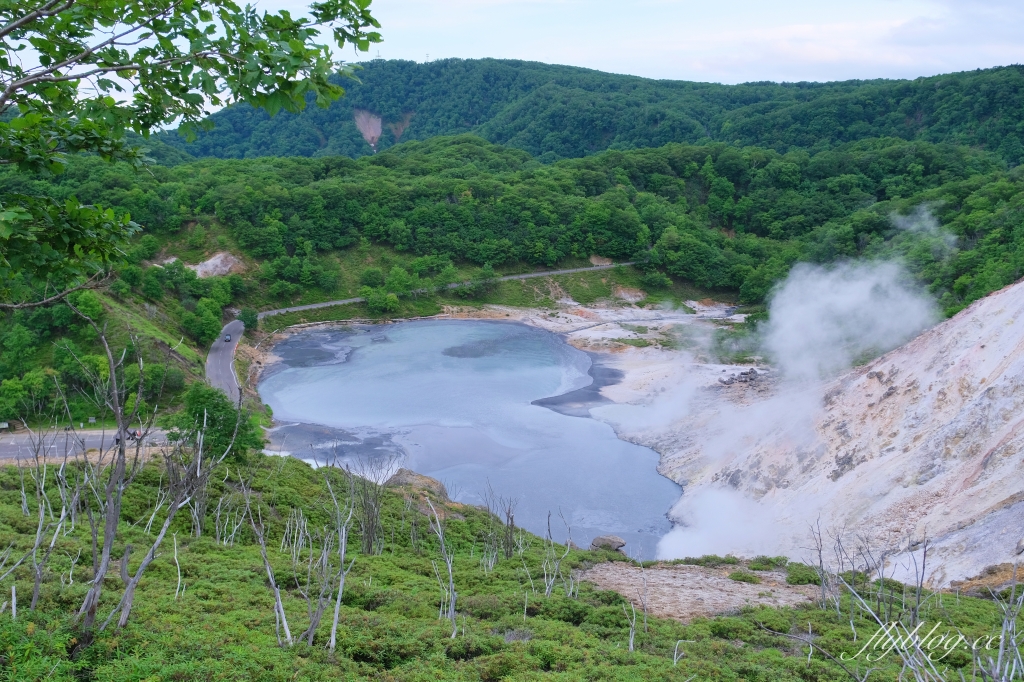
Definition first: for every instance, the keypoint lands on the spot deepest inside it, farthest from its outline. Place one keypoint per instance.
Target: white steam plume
(921, 221)
(823, 320)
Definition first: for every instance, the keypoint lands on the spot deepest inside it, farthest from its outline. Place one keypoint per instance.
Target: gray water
(453, 398)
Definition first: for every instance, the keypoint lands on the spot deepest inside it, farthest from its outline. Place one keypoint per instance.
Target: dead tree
(552, 565)
(342, 523)
(448, 555)
(40, 444)
(188, 468)
(371, 475)
(259, 530)
(317, 583)
(113, 471)
(228, 519)
(632, 623)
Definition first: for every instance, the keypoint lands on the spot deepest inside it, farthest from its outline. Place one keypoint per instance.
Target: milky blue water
(453, 398)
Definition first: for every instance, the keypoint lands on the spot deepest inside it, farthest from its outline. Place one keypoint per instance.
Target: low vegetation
(204, 609)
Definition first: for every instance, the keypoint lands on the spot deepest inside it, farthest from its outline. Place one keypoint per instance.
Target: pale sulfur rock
(925, 441)
(218, 265)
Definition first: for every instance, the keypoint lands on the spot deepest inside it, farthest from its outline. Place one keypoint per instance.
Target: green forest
(484, 168)
(721, 217)
(556, 112)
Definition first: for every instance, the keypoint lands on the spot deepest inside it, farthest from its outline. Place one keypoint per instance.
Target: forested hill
(557, 112)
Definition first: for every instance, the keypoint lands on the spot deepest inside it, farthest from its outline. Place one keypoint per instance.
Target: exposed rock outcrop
(418, 483)
(612, 542)
(218, 265)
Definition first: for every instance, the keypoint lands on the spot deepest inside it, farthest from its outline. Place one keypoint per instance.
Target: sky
(725, 41)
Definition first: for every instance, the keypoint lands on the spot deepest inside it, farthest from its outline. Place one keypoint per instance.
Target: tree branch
(44, 11)
(97, 280)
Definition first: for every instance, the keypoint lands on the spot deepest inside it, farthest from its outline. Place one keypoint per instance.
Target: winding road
(220, 371)
(220, 367)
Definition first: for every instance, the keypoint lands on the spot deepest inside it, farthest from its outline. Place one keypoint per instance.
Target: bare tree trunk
(128, 598)
(448, 556)
(258, 530)
(341, 526)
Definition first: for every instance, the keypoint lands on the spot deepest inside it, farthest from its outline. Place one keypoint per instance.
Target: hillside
(205, 608)
(556, 112)
(924, 442)
(714, 216)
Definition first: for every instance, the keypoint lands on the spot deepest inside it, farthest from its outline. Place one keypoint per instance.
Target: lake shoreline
(615, 481)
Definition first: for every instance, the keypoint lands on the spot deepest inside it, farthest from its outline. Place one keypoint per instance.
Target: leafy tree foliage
(64, 67)
(208, 409)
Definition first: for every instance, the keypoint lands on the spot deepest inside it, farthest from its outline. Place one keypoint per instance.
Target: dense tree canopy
(720, 216)
(556, 112)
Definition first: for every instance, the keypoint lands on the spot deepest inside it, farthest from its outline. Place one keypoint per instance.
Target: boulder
(1020, 546)
(612, 542)
(406, 478)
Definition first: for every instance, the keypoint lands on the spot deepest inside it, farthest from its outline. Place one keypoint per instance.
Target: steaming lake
(453, 399)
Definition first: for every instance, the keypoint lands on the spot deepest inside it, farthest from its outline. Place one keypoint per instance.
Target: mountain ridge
(556, 112)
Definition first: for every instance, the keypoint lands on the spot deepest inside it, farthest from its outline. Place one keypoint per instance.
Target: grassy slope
(223, 627)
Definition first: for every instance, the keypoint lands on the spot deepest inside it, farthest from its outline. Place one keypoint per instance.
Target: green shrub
(566, 610)
(654, 281)
(732, 628)
(767, 563)
(380, 301)
(744, 577)
(466, 648)
(488, 606)
(249, 318)
(372, 277)
(132, 274)
(120, 289)
(801, 574)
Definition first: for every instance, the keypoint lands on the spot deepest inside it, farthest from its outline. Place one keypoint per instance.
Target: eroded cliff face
(925, 441)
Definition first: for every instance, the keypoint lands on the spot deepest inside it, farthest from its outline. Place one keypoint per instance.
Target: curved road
(220, 370)
(220, 367)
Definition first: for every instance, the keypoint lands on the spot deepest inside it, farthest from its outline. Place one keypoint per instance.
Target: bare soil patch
(685, 592)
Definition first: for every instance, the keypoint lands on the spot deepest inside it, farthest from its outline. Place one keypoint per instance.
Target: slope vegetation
(556, 112)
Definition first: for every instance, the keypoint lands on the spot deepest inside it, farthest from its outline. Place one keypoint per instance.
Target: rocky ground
(685, 592)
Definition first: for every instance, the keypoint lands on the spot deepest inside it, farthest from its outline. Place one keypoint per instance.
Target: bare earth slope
(924, 441)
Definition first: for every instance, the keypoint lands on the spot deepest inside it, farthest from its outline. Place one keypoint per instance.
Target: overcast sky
(727, 41)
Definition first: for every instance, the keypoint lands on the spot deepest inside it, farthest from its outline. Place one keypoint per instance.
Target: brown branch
(40, 78)
(97, 280)
(44, 11)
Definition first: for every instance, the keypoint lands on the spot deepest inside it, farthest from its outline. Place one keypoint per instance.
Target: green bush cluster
(745, 577)
(801, 574)
(223, 626)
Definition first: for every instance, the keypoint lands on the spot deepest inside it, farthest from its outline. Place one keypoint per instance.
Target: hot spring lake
(453, 399)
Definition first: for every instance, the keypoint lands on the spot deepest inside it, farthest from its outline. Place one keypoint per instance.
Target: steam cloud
(921, 221)
(823, 320)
